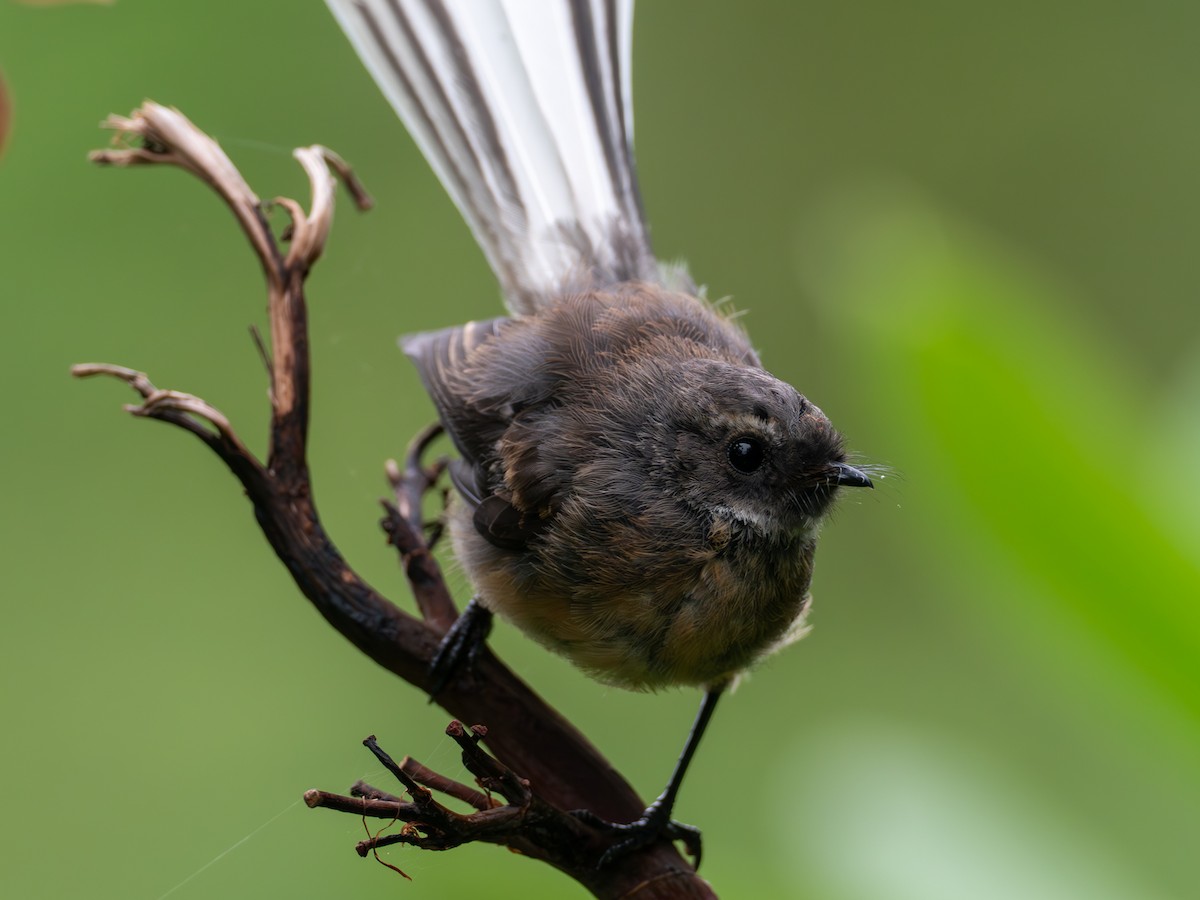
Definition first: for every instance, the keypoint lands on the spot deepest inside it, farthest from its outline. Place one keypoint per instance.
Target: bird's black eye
(746, 454)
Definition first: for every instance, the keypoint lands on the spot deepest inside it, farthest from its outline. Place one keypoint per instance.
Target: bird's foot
(460, 646)
(653, 825)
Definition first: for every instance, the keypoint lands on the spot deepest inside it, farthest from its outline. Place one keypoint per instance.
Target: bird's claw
(460, 647)
(653, 825)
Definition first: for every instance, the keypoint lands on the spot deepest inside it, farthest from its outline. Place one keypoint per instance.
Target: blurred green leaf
(1029, 426)
(1178, 453)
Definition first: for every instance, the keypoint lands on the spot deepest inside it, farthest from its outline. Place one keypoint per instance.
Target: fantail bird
(635, 491)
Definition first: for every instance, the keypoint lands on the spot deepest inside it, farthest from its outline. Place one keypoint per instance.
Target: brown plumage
(602, 513)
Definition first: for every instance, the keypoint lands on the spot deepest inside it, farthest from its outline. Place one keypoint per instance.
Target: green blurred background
(967, 231)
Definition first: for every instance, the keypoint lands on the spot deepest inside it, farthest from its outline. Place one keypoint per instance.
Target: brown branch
(542, 766)
(167, 136)
(403, 523)
(526, 822)
(443, 785)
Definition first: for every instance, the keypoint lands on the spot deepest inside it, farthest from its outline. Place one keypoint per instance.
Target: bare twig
(559, 769)
(154, 134)
(447, 786)
(403, 523)
(562, 837)
(411, 483)
(311, 231)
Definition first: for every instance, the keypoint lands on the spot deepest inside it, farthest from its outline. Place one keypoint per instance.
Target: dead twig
(559, 769)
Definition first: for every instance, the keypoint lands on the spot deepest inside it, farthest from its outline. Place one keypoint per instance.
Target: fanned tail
(523, 108)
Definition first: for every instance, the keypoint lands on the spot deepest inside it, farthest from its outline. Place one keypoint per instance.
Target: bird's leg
(460, 646)
(656, 821)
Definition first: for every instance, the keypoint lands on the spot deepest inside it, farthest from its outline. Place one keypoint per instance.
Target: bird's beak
(846, 475)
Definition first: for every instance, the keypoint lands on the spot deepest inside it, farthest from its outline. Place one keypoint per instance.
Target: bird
(635, 491)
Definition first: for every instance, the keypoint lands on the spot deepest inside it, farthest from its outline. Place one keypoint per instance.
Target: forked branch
(542, 766)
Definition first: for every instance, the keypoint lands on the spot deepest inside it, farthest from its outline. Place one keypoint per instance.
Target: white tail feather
(523, 109)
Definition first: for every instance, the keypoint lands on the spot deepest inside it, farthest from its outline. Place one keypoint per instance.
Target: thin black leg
(460, 646)
(656, 821)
